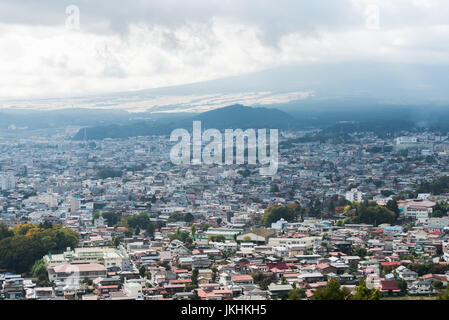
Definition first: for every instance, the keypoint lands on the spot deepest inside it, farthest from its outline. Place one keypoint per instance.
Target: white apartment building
(419, 210)
(354, 195)
(307, 242)
(7, 182)
(101, 255)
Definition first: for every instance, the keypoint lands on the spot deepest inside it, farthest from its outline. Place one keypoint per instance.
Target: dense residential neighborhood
(363, 218)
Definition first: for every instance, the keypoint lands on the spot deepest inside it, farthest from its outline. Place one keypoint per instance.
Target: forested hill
(232, 117)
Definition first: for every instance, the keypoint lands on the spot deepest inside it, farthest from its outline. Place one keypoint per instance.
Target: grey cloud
(274, 18)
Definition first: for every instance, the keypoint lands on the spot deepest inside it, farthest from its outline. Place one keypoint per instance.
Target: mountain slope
(231, 117)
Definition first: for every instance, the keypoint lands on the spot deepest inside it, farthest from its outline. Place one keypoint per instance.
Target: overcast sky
(137, 44)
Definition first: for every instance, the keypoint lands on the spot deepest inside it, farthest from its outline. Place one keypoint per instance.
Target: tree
(29, 243)
(109, 173)
(438, 284)
(314, 207)
(5, 232)
(436, 187)
(217, 238)
(142, 271)
(371, 213)
(150, 229)
(331, 207)
(195, 296)
(188, 217)
(194, 277)
(140, 220)
(263, 281)
(393, 206)
(332, 291)
(204, 227)
(180, 235)
(128, 233)
(95, 216)
(39, 271)
(363, 293)
(402, 284)
(111, 217)
(275, 213)
(214, 274)
(386, 193)
(296, 294)
(244, 173)
(116, 242)
(444, 295)
(177, 216)
(440, 209)
(361, 252)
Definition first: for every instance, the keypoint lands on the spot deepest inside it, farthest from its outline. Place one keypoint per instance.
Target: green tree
(296, 294)
(332, 291)
(30, 243)
(140, 220)
(5, 232)
(176, 216)
(393, 206)
(142, 271)
(111, 217)
(39, 271)
(116, 242)
(217, 238)
(95, 216)
(275, 213)
(444, 295)
(362, 292)
(109, 173)
(194, 277)
(151, 227)
(188, 217)
(438, 284)
(402, 284)
(181, 236)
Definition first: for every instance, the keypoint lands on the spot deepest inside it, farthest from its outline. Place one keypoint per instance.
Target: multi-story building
(106, 256)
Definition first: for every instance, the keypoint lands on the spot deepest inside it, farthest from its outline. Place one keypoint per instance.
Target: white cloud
(219, 39)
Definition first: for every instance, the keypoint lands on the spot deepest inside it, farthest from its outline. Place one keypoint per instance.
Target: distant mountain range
(347, 115)
(231, 117)
(334, 120)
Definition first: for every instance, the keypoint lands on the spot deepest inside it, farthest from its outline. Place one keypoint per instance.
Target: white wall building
(7, 182)
(354, 195)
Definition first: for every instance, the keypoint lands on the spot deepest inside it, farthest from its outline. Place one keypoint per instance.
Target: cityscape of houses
(149, 230)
